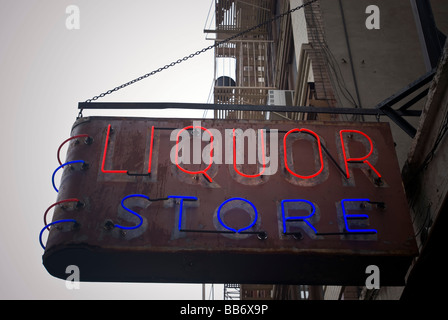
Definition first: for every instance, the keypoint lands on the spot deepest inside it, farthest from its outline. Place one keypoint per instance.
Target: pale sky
(45, 70)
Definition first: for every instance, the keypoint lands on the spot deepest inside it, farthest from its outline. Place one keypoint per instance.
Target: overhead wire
(355, 81)
(185, 58)
(336, 76)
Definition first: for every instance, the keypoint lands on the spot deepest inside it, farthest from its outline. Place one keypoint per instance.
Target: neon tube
(204, 172)
(69, 139)
(132, 212)
(182, 198)
(105, 154)
(234, 158)
(285, 156)
(242, 229)
(61, 166)
(150, 149)
(348, 216)
(285, 219)
(49, 225)
(362, 159)
(126, 171)
(55, 204)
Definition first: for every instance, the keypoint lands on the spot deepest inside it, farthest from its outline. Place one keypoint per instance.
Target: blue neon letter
(242, 229)
(133, 212)
(181, 204)
(300, 218)
(348, 216)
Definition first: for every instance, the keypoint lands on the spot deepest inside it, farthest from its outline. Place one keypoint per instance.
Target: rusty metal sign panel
(221, 201)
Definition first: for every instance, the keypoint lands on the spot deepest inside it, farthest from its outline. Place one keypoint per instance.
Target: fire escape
(243, 66)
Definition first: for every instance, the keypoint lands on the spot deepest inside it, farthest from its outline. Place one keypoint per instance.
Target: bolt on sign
(222, 201)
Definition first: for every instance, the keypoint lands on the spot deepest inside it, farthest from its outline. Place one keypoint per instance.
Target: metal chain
(217, 44)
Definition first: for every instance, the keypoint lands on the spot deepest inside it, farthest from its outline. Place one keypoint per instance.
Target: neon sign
(335, 189)
(304, 219)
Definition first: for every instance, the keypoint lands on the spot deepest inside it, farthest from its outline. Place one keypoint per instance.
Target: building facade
(366, 55)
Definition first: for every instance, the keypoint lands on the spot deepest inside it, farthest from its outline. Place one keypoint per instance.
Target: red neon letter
(105, 153)
(124, 171)
(204, 172)
(234, 158)
(285, 156)
(150, 150)
(362, 159)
